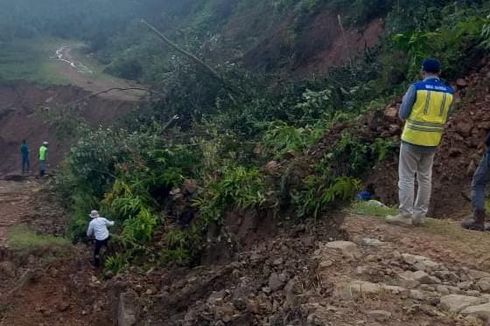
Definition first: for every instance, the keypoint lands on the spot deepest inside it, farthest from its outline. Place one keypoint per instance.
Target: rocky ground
(377, 274)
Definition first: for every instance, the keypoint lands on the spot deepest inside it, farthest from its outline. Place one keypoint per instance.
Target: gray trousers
(480, 180)
(413, 164)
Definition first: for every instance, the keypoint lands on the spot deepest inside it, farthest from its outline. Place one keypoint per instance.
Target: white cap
(45, 143)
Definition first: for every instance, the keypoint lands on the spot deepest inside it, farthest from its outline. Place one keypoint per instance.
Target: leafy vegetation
(318, 194)
(239, 187)
(281, 138)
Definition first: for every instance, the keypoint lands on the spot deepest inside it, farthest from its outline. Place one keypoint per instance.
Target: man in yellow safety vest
(425, 108)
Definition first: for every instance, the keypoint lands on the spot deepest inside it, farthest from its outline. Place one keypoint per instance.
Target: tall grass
(23, 240)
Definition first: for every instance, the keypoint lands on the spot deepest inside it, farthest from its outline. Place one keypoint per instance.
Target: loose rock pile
(310, 280)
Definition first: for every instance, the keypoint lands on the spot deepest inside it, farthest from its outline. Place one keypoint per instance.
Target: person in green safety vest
(43, 156)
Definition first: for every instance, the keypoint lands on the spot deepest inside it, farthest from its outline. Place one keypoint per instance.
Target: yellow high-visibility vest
(425, 125)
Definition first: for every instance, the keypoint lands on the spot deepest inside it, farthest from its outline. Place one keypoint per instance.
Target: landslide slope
(25, 114)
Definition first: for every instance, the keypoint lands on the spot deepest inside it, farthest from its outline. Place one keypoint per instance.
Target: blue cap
(431, 65)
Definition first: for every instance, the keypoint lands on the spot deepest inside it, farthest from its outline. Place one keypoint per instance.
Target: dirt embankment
(322, 43)
(24, 112)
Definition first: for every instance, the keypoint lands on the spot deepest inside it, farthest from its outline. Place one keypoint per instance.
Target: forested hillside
(292, 36)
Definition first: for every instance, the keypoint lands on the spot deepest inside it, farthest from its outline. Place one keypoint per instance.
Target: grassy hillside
(30, 59)
(35, 60)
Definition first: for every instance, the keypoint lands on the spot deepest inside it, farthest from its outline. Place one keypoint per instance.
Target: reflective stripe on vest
(425, 125)
(42, 153)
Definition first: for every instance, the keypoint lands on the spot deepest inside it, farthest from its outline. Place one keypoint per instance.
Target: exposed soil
(323, 44)
(65, 292)
(24, 114)
(25, 108)
(299, 278)
(44, 286)
(14, 202)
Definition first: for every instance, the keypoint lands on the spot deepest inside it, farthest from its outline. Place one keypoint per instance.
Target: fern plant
(116, 263)
(281, 138)
(485, 33)
(239, 187)
(318, 194)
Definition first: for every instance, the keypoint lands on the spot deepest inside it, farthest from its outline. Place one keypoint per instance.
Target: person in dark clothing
(24, 155)
(481, 177)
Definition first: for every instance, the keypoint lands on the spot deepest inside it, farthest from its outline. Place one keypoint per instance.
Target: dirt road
(378, 274)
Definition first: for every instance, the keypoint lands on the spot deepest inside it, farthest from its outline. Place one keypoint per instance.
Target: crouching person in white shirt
(98, 228)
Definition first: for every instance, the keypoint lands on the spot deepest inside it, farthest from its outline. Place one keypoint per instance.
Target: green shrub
(281, 138)
(459, 31)
(485, 33)
(319, 193)
(182, 245)
(238, 187)
(116, 263)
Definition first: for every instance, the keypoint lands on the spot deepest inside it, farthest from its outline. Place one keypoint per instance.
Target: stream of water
(63, 54)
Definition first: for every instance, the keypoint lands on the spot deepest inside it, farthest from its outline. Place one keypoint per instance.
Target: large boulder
(127, 309)
(347, 248)
(480, 311)
(455, 303)
(8, 269)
